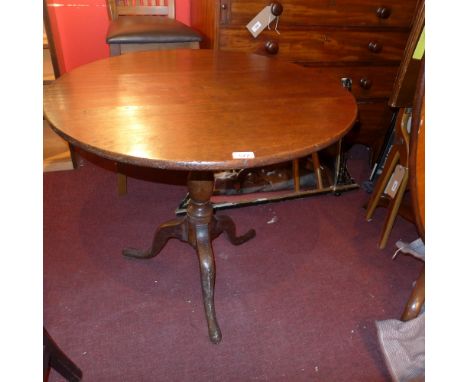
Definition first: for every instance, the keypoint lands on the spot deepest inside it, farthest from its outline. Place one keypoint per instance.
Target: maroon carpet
(297, 303)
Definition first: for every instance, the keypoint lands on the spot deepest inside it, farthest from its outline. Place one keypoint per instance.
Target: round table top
(198, 109)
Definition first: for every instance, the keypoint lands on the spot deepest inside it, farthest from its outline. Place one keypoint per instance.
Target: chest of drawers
(359, 40)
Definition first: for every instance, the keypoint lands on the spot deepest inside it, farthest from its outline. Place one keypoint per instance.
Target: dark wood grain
(418, 151)
(417, 168)
(320, 46)
(190, 109)
(351, 13)
(202, 14)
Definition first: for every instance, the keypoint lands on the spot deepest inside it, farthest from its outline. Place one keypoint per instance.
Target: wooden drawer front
(367, 81)
(319, 45)
(396, 13)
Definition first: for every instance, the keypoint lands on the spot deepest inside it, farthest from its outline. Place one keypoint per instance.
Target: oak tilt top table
(202, 111)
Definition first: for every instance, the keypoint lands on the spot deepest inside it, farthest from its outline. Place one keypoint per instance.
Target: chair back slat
(141, 8)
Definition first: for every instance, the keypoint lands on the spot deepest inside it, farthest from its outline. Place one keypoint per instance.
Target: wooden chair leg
(296, 176)
(73, 155)
(56, 359)
(416, 300)
(393, 211)
(317, 170)
(121, 184)
(392, 161)
(338, 162)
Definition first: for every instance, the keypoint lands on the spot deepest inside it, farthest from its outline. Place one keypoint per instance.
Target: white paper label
(257, 25)
(395, 181)
(243, 155)
(260, 21)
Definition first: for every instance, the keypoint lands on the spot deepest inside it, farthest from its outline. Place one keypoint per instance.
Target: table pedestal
(198, 228)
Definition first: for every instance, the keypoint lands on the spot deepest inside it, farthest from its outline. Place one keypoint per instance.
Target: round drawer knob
(223, 6)
(276, 8)
(375, 47)
(383, 13)
(365, 83)
(271, 47)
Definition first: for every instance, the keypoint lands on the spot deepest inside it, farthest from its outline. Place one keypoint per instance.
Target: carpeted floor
(297, 303)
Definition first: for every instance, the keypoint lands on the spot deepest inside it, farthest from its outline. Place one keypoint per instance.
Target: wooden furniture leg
(317, 170)
(296, 175)
(392, 213)
(416, 300)
(198, 228)
(56, 359)
(382, 181)
(340, 166)
(73, 155)
(121, 182)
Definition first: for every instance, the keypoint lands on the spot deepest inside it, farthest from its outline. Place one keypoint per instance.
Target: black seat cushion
(149, 29)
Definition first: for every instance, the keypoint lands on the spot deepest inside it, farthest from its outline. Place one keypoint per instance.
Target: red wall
(79, 28)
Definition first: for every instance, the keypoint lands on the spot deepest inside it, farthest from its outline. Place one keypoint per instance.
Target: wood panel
(204, 15)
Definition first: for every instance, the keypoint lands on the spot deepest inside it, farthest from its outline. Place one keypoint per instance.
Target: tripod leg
(175, 228)
(207, 278)
(226, 224)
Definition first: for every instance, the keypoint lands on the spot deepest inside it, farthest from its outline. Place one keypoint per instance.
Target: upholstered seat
(149, 30)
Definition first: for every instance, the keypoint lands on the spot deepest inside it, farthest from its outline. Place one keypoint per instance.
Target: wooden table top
(192, 109)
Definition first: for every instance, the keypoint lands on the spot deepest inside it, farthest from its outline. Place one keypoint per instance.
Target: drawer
(354, 13)
(319, 45)
(367, 81)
